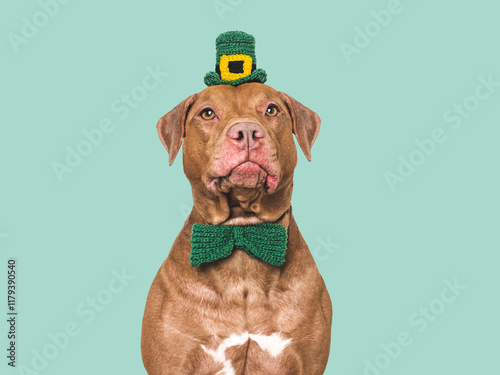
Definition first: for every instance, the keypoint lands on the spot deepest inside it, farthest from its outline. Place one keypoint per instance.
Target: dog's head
(238, 153)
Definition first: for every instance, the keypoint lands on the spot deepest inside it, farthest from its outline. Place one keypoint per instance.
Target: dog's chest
(240, 275)
(253, 294)
(247, 318)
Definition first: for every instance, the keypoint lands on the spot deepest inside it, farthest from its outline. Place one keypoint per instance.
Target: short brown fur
(188, 307)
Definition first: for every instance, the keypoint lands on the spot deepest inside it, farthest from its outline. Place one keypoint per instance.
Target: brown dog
(238, 315)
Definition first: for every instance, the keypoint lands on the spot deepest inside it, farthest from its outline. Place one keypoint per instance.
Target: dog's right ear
(305, 124)
(172, 127)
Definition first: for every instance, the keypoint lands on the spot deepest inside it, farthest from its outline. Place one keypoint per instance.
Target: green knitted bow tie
(266, 242)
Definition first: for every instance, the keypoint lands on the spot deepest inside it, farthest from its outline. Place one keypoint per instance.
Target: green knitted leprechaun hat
(235, 61)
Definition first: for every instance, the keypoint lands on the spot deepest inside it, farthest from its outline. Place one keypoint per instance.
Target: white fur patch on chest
(273, 344)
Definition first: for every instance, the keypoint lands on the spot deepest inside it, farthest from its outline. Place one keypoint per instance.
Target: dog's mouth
(247, 175)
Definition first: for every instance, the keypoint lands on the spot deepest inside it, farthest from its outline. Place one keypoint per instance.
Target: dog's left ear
(305, 124)
(172, 127)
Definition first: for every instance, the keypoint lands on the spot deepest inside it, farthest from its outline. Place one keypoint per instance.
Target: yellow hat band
(234, 67)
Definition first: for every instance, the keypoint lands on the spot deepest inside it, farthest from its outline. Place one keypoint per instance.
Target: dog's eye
(207, 114)
(272, 111)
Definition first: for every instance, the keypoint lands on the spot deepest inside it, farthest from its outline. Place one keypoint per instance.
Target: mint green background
(123, 206)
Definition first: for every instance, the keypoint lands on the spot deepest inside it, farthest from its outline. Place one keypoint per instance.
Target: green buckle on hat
(235, 60)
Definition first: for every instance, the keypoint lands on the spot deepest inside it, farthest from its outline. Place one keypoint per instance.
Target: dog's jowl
(239, 292)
